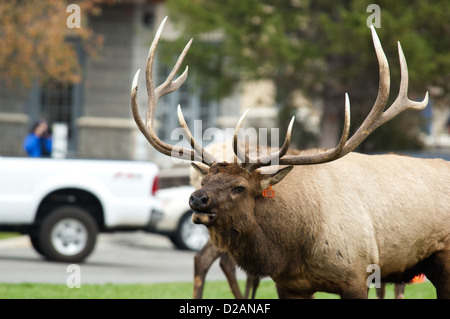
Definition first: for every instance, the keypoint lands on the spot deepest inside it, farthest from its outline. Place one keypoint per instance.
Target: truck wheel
(36, 243)
(67, 234)
(189, 235)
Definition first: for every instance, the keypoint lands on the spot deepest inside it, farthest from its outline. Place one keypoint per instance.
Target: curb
(15, 242)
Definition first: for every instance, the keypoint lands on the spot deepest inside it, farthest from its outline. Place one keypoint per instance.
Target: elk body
(328, 222)
(204, 258)
(334, 213)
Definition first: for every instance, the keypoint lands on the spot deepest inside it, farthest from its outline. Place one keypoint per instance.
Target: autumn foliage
(33, 46)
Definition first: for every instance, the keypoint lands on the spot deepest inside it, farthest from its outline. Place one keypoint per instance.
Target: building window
(56, 103)
(193, 102)
(60, 102)
(183, 95)
(207, 108)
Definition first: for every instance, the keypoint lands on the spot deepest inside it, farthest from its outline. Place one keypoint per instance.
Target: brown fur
(204, 258)
(328, 222)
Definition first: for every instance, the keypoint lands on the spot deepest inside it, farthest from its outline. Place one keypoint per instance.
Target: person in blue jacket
(39, 142)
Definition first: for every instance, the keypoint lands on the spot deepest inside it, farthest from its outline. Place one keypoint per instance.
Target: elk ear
(201, 168)
(272, 179)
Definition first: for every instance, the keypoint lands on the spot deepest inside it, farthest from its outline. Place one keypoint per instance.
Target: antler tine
(326, 156)
(402, 102)
(207, 157)
(268, 159)
(262, 160)
(168, 86)
(380, 102)
(138, 120)
(149, 135)
(377, 115)
(237, 150)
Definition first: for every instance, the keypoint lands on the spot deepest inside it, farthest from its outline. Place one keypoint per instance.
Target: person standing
(39, 142)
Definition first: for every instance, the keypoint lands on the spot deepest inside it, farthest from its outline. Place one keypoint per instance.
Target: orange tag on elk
(269, 192)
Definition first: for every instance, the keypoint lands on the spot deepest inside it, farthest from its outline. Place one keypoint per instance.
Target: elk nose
(199, 199)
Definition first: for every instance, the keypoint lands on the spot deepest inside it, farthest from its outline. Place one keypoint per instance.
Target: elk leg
(438, 272)
(381, 292)
(229, 269)
(399, 291)
(202, 262)
(252, 285)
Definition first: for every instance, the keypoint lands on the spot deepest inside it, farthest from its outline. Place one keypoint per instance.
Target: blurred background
(73, 66)
(279, 58)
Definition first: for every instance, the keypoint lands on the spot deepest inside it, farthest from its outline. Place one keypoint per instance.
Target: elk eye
(238, 189)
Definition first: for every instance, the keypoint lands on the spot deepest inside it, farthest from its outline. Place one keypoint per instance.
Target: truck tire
(67, 234)
(36, 243)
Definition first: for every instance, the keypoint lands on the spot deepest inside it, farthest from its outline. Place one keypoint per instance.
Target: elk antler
(243, 156)
(169, 85)
(376, 118)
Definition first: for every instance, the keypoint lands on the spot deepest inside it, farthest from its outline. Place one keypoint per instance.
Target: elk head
(227, 186)
(233, 188)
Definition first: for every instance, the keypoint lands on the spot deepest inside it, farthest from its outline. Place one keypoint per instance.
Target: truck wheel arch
(71, 196)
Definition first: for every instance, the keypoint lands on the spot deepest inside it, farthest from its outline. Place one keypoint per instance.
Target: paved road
(134, 257)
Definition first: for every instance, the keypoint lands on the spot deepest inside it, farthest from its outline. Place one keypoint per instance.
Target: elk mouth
(205, 218)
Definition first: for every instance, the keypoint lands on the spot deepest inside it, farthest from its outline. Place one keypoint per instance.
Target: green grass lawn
(213, 289)
(182, 290)
(4, 235)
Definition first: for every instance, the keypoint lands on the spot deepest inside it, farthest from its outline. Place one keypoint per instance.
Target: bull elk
(204, 258)
(335, 211)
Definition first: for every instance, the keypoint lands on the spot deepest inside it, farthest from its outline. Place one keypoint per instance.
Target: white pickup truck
(63, 204)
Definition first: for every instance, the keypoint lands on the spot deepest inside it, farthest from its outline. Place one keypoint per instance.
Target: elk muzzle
(199, 202)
